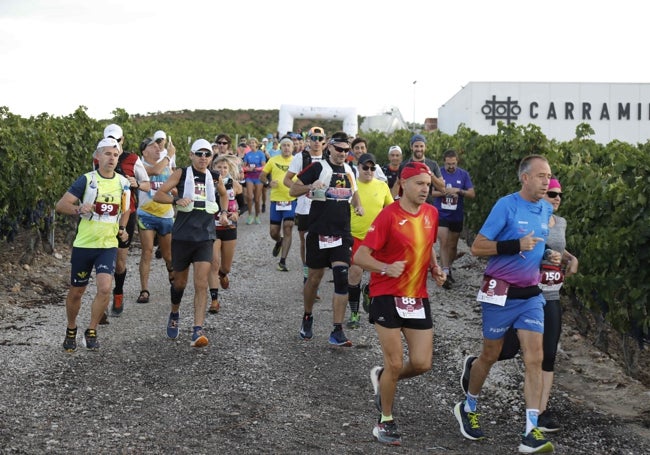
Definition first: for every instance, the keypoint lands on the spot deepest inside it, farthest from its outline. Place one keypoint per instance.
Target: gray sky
(159, 55)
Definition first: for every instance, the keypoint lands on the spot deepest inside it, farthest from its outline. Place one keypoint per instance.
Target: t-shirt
(374, 195)
(258, 158)
(276, 168)
(557, 242)
(145, 199)
(304, 203)
(391, 174)
(197, 225)
(513, 217)
(451, 208)
(332, 216)
(100, 231)
(398, 235)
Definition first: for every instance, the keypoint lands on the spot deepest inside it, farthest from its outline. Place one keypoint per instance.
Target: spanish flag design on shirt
(397, 235)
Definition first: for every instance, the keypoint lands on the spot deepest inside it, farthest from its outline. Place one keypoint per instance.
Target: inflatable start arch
(290, 112)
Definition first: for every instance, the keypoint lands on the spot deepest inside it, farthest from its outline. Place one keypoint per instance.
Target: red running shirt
(397, 235)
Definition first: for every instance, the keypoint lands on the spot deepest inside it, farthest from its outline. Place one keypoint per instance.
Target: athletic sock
(531, 419)
(214, 293)
(470, 402)
(354, 293)
(386, 418)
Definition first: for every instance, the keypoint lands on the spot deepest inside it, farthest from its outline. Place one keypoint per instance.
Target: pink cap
(553, 184)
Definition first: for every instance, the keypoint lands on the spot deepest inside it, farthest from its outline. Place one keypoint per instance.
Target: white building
(614, 110)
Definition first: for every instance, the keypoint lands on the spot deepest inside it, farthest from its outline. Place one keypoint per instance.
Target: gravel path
(258, 388)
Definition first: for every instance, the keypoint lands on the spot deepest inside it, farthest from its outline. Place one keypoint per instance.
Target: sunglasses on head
(553, 194)
(201, 154)
(341, 149)
(222, 143)
(317, 138)
(368, 168)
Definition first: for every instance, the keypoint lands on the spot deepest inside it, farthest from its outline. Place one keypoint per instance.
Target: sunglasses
(341, 149)
(203, 154)
(368, 168)
(553, 194)
(317, 138)
(222, 143)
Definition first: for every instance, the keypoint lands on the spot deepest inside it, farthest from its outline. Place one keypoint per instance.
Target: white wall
(471, 106)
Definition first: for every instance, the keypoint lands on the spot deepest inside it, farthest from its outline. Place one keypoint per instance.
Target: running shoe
(282, 267)
(365, 293)
(547, 423)
(199, 340)
(70, 340)
(447, 284)
(118, 305)
(306, 332)
(354, 322)
(158, 253)
(387, 433)
(464, 375)
(450, 278)
(375, 374)
(257, 220)
(468, 421)
(338, 338)
(214, 306)
(535, 442)
(92, 342)
(172, 327)
(104, 318)
(224, 281)
(250, 219)
(277, 248)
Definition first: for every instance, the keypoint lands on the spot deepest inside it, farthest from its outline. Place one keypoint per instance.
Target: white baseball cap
(108, 142)
(395, 147)
(114, 131)
(160, 134)
(201, 144)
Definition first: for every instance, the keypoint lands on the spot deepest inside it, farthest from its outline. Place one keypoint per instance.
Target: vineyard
(606, 187)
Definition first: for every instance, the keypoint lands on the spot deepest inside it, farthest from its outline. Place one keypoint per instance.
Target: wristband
(122, 228)
(508, 247)
(175, 200)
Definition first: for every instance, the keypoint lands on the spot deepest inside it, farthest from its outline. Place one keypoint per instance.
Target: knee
(421, 366)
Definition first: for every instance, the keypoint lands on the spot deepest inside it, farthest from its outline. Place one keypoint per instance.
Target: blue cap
(418, 138)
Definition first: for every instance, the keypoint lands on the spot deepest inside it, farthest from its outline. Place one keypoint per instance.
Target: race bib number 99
(106, 208)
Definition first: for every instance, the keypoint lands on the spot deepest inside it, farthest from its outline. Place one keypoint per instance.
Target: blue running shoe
(172, 326)
(468, 421)
(338, 338)
(535, 442)
(306, 332)
(199, 340)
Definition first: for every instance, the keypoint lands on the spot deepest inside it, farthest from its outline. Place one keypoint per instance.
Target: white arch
(289, 112)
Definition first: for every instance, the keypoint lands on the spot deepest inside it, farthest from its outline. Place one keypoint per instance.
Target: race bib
(551, 278)
(329, 241)
(493, 291)
(409, 307)
(106, 209)
(449, 203)
(283, 206)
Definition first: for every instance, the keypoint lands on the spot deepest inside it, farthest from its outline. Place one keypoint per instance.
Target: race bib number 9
(493, 291)
(552, 278)
(409, 307)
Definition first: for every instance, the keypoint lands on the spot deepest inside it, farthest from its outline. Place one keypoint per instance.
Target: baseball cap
(367, 157)
(160, 134)
(201, 144)
(340, 136)
(554, 184)
(145, 143)
(114, 131)
(418, 138)
(286, 140)
(316, 131)
(265, 139)
(395, 147)
(108, 142)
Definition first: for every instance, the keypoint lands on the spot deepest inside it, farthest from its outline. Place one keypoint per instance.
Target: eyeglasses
(203, 154)
(368, 168)
(553, 194)
(222, 143)
(341, 149)
(317, 138)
